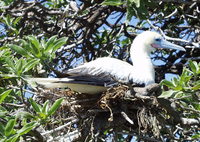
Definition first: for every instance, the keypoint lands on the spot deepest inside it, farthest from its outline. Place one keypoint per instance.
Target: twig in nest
(126, 117)
(106, 105)
(61, 127)
(126, 82)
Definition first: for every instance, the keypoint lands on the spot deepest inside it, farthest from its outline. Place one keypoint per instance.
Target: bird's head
(149, 41)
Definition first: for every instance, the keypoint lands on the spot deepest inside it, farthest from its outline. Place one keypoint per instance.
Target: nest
(89, 116)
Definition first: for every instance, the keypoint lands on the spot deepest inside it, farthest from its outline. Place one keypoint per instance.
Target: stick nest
(92, 115)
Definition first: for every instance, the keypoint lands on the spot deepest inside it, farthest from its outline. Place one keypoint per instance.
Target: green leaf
(137, 8)
(8, 19)
(178, 94)
(17, 20)
(59, 43)
(55, 106)
(197, 135)
(29, 65)
(23, 114)
(196, 87)
(177, 84)
(53, 55)
(2, 114)
(35, 106)
(19, 66)
(142, 12)
(2, 108)
(35, 45)
(113, 2)
(7, 76)
(126, 41)
(193, 66)
(198, 68)
(105, 132)
(26, 45)
(5, 51)
(50, 42)
(26, 128)
(167, 83)
(13, 138)
(178, 87)
(131, 10)
(137, 3)
(9, 62)
(2, 129)
(4, 20)
(45, 107)
(184, 75)
(42, 115)
(183, 103)
(9, 127)
(175, 81)
(46, 55)
(167, 94)
(4, 95)
(186, 80)
(19, 50)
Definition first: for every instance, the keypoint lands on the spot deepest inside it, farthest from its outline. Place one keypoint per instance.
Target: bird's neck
(141, 58)
(143, 66)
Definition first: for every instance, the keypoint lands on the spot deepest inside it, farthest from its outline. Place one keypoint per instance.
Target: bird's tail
(70, 83)
(51, 82)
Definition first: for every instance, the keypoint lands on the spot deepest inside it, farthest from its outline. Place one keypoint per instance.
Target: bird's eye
(158, 40)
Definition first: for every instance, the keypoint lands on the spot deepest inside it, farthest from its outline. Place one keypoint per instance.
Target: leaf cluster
(137, 8)
(18, 61)
(186, 87)
(8, 131)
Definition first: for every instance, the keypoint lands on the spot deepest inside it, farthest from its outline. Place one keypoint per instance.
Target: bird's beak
(169, 45)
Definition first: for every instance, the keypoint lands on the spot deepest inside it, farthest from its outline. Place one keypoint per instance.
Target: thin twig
(139, 136)
(61, 127)
(14, 87)
(127, 118)
(170, 15)
(14, 105)
(173, 39)
(70, 46)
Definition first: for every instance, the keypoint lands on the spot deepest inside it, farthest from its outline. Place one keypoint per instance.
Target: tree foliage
(45, 38)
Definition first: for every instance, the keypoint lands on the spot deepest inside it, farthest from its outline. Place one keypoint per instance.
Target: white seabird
(96, 76)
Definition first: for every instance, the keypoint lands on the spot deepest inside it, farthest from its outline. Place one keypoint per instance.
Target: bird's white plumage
(102, 70)
(107, 66)
(120, 70)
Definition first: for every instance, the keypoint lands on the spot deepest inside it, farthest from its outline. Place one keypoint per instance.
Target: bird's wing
(102, 70)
